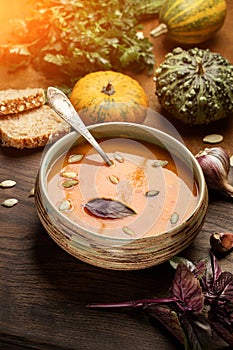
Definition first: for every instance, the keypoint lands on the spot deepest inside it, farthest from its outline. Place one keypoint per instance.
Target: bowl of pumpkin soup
(142, 210)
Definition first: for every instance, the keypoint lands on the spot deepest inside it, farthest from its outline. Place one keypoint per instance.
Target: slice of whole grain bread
(33, 128)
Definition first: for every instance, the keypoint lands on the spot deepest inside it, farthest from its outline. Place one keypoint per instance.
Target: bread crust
(16, 101)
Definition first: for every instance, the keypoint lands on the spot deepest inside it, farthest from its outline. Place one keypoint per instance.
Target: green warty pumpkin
(195, 86)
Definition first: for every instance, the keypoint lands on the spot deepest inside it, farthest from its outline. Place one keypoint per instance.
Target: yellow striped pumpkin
(191, 21)
(107, 96)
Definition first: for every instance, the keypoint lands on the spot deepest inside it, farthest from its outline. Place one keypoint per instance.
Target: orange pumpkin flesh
(107, 96)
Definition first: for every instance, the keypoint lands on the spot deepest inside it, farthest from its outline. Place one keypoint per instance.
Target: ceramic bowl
(114, 253)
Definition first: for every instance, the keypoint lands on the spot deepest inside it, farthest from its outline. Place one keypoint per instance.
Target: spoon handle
(60, 103)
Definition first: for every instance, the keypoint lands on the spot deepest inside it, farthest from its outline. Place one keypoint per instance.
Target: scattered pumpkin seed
(231, 161)
(65, 205)
(174, 218)
(7, 183)
(118, 157)
(74, 158)
(152, 193)
(213, 138)
(128, 231)
(10, 202)
(113, 179)
(159, 162)
(32, 192)
(69, 174)
(69, 183)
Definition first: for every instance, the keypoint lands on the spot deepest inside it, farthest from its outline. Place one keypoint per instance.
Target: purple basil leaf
(198, 270)
(223, 287)
(221, 320)
(169, 319)
(213, 271)
(197, 331)
(174, 262)
(108, 208)
(186, 288)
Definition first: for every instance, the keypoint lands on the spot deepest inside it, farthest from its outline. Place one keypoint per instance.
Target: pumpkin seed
(128, 231)
(7, 183)
(231, 161)
(69, 174)
(65, 205)
(118, 157)
(69, 183)
(159, 162)
(74, 158)
(213, 138)
(152, 193)
(174, 218)
(10, 202)
(113, 179)
(32, 192)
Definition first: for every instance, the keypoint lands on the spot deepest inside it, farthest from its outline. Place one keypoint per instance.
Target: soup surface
(158, 188)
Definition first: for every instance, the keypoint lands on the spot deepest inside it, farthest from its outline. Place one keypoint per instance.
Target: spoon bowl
(60, 103)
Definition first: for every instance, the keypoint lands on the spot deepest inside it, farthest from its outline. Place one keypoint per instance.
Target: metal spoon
(60, 103)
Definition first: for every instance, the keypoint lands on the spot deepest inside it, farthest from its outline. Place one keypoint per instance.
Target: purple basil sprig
(200, 301)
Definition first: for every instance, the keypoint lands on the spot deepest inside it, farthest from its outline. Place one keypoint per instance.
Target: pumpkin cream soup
(146, 191)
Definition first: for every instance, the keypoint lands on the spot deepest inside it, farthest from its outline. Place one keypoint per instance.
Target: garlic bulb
(215, 164)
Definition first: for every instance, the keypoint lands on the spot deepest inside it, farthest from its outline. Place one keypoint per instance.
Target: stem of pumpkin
(161, 29)
(108, 89)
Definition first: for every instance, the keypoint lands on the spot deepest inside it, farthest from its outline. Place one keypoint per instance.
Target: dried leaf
(108, 208)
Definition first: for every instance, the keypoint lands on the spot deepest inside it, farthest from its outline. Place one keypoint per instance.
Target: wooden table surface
(44, 290)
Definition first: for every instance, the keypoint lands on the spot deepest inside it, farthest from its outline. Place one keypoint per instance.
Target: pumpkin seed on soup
(159, 163)
(118, 157)
(128, 231)
(152, 193)
(74, 158)
(69, 183)
(113, 179)
(69, 174)
(65, 205)
(174, 218)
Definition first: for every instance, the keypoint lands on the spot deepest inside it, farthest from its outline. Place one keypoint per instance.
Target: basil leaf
(186, 288)
(197, 331)
(108, 208)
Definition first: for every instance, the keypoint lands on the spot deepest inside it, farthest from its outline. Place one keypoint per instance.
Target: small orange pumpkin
(107, 96)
